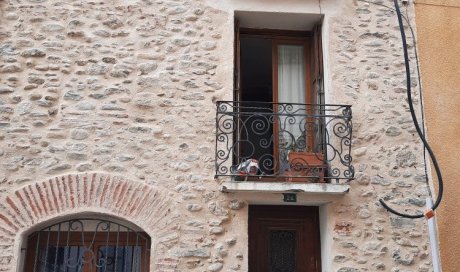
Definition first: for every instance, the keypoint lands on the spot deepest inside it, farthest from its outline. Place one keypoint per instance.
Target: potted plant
(304, 163)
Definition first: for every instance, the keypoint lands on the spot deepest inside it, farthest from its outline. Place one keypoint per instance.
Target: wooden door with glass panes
(275, 71)
(284, 239)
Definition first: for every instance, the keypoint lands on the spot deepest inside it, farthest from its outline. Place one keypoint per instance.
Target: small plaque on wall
(289, 197)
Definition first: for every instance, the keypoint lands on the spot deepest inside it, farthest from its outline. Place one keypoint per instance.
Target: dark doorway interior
(257, 86)
(256, 69)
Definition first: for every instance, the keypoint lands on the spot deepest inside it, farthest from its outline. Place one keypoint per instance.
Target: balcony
(283, 142)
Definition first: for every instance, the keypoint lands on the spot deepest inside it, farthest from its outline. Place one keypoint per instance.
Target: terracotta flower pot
(304, 164)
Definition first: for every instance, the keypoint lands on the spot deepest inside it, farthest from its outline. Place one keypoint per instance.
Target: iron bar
(89, 245)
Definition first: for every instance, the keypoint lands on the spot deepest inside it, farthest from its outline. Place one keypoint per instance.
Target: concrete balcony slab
(285, 187)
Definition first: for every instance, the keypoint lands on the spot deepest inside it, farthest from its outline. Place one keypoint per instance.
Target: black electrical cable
(414, 44)
(417, 127)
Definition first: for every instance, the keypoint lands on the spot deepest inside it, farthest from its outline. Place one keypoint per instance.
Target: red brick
(42, 198)
(31, 205)
(8, 222)
(15, 208)
(53, 195)
(104, 191)
(24, 205)
(71, 191)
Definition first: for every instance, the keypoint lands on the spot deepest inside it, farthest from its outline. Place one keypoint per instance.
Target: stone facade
(108, 107)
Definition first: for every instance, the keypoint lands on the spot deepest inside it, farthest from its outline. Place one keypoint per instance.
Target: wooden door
(284, 239)
(290, 129)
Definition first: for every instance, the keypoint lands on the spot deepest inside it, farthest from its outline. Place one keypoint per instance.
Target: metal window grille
(87, 245)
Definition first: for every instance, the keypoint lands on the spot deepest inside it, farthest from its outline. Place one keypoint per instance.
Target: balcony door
(273, 88)
(278, 128)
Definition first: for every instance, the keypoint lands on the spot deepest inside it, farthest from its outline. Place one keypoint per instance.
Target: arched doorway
(87, 244)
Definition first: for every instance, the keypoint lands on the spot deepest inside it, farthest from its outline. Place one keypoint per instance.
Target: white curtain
(291, 89)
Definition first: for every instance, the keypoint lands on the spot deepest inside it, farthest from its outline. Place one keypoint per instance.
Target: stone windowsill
(282, 187)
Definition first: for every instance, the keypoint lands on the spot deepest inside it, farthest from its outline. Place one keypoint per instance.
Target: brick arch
(30, 206)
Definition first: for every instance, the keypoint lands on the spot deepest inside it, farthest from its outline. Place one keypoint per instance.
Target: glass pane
(119, 259)
(61, 258)
(282, 251)
(291, 74)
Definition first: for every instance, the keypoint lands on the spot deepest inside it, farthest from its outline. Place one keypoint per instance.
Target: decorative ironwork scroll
(284, 140)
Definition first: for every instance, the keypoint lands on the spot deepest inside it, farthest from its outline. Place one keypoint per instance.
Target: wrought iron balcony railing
(283, 141)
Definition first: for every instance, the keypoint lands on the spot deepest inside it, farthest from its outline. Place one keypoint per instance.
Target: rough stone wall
(368, 71)
(125, 90)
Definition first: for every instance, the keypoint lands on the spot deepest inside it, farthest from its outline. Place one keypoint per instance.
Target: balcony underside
(284, 187)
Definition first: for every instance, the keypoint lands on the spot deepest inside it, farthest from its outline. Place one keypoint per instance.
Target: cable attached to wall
(428, 213)
(414, 44)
